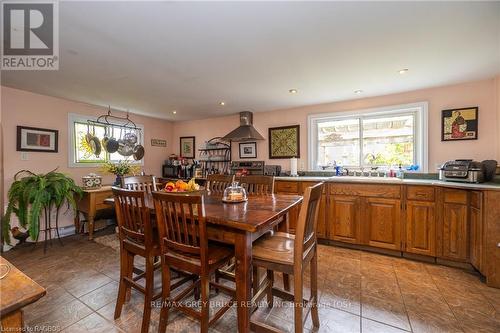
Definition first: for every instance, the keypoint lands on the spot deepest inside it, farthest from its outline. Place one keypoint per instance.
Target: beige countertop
(384, 180)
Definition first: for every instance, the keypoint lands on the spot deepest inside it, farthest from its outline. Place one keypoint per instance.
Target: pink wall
(498, 115)
(481, 93)
(24, 108)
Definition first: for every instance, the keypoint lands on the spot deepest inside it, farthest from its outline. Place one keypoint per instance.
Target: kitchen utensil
(138, 152)
(112, 144)
(130, 138)
(105, 139)
(125, 149)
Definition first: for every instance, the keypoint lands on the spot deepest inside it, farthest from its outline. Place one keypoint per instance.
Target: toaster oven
(465, 171)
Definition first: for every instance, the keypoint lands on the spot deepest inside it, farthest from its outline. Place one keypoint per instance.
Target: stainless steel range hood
(246, 131)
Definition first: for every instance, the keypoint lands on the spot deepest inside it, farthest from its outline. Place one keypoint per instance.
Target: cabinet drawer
(286, 187)
(475, 199)
(422, 193)
(367, 190)
(455, 196)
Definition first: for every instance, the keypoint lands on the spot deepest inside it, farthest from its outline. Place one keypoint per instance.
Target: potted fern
(32, 196)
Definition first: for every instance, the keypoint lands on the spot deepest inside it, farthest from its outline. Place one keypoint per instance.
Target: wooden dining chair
(218, 183)
(140, 183)
(184, 246)
(258, 185)
(291, 254)
(136, 239)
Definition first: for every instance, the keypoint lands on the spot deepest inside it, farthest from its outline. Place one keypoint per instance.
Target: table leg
(91, 227)
(77, 222)
(243, 255)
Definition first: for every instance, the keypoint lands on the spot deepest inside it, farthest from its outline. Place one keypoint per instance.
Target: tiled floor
(359, 292)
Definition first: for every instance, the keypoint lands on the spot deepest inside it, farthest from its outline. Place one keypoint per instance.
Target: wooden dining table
(240, 224)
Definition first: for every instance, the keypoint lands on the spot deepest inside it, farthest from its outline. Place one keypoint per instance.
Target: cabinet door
(420, 228)
(343, 219)
(455, 231)
(321, 227)
(382, 223)
(476, 239)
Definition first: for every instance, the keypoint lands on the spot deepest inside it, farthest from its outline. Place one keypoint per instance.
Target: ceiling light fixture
(403, 71)
(359, 91)
(222, 103)
(174, 112)
(293, 91)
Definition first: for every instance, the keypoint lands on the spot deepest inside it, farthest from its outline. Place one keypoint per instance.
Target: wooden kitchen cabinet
(381, 221)
(343, 219)
(476, 230)
(420, 228)
(454, 231)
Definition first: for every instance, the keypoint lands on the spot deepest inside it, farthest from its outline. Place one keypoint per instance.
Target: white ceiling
(155, 57)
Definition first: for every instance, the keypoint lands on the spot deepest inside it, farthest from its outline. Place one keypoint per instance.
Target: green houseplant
(31, 194)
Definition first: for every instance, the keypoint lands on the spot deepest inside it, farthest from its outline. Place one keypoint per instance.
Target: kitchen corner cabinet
(454, 232)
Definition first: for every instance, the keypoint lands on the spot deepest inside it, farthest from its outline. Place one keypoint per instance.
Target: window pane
(388, 140)
(82, 150)
(338, 140)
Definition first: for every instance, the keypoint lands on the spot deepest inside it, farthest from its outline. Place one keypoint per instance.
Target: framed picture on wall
(37, 139)
(248, 150)
(284, 142)
(459, 124)
(187, 146)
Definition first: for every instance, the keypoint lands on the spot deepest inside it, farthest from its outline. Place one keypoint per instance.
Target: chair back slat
(140, 183)
(258, 185)
(218, 183)
(181, 223)
(133, 216)
(305, 232)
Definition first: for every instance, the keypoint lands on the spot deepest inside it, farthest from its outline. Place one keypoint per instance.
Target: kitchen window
(80, 154)
(377, 138)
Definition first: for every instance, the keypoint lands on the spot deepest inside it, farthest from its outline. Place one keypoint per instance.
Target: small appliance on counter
(465, 171)
(272, 170)
(247, 167)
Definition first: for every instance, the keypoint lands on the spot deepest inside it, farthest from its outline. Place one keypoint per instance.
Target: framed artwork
(284, 142)
(187, 146)
(459, 124)
(37, 139)
(158, 143)
(248, 150)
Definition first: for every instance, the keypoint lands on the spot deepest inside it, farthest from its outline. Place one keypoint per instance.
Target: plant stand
(47, 230)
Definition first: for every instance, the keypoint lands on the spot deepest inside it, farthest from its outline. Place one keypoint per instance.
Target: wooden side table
(92, 202)
(17, 291)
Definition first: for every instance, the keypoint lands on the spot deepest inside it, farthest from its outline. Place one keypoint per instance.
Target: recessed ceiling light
(293, 91)
(222, 103)
(359, 91)
(174, 112)
(403, 71)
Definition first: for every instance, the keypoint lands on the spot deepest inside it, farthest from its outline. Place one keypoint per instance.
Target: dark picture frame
(248, 149)
(460, 124)
(284, 142)
(36, 139)
(187, 145)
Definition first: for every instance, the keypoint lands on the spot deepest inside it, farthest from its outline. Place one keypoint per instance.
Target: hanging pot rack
(114, 121)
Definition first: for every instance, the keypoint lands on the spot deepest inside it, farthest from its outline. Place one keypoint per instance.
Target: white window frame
(72, 118)
(420, 111)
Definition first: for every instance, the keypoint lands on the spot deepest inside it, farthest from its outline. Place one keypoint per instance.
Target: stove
(252, 167)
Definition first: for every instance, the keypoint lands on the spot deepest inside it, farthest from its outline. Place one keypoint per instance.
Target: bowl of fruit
(181, 186)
